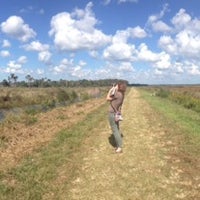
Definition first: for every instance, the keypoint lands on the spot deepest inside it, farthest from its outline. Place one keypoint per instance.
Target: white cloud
(15, 27)
(106, 2)
(5, 53)
(125, 1)
(178, 67)
(160, 26)
(76, 31)
(138, 32)
(22, 60)
(192, 68)
(63, 66)
(36, 46)
(126, 67)
(155, 22)
(13, 67)
(157, 17)
(44, 56)
(168, 44)
(6, 44)
(82, 63)
(40, 71)
(93, 54)
(164, 61)
(119, 51)
(181, 19)
(146, 55)
(160, 61)
(188, 43)
(123, 35)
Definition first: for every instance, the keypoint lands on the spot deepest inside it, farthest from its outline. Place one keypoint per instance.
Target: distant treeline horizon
(13, 81)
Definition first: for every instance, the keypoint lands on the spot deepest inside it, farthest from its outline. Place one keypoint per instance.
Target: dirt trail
(142, 171)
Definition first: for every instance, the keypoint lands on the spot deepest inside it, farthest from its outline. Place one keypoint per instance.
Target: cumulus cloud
(36, 46)
(45, 57)
(6, 44)
(121, 70)
(76, 31)
(178, 67)
(194, 70)
(185, 42)
(5, 53)
(155, 22)
(168, 44)
(124, 35)
(15, 27)
(22, 60)
(137, 32)
(160, 26)
(40, 71)
(157, 17)
(63, 66)
(181, 19)
(144, 54)
(68, 68)
(126, 67)
(43, 51)
(119, 51)
(15, 66)
(160, 61)
(163, 62)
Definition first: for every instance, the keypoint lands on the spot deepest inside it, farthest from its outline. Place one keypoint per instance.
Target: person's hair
(122, 86)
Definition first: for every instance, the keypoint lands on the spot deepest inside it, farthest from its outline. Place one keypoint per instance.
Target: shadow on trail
(111, 140)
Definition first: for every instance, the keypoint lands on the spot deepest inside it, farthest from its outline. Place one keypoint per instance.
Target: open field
(187, 96)
(67, 153)
(11, 97)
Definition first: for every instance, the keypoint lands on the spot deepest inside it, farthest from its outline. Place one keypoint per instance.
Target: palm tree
(12, 79)
(29, 79)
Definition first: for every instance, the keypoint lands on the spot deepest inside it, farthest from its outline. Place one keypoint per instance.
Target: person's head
(121, 86)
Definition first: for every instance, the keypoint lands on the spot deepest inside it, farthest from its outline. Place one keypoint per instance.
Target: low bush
(163, 93)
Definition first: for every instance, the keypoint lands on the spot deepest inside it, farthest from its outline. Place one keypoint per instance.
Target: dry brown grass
(21, 139)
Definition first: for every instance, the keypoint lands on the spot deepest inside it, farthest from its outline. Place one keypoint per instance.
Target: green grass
(184, 120)
(31, 179)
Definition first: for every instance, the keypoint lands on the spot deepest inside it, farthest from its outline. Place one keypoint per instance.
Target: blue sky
(142, 41)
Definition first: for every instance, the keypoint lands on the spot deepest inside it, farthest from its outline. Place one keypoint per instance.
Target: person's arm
(108, 97)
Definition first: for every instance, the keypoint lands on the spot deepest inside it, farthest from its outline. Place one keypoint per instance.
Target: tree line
(12, 81)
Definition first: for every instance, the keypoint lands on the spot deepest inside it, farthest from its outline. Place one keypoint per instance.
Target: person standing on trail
(116, 96)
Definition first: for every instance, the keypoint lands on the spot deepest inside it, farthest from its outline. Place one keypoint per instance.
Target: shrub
(163, 93)
(62, 96)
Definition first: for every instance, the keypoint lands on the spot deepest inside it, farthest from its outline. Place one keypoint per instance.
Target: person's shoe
(118, 150)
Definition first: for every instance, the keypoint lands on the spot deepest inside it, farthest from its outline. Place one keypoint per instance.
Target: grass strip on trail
(186, 118)
(182, 119)
(31, 180)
